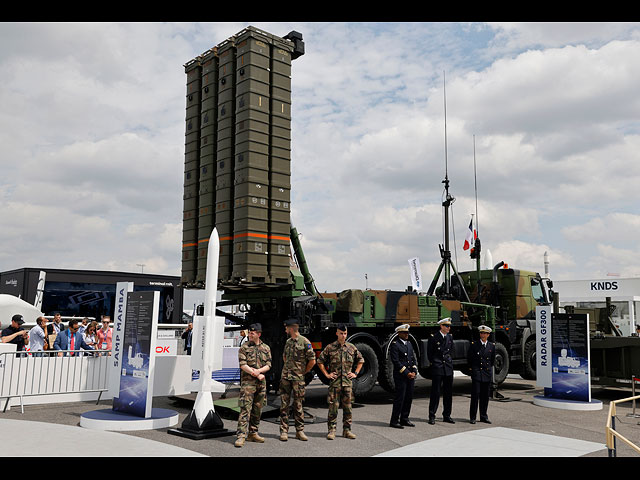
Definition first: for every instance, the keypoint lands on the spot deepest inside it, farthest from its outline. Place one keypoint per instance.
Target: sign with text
(138, 354)
(115, 361)
(562, 355)
(416, 274)
(166, 347)
(570, 358)
(543, 347)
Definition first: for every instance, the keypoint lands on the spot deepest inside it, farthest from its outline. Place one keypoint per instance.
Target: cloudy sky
(92, 134)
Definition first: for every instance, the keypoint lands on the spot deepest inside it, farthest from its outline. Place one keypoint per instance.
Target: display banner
(570, 358)
(543, 347)
(416, 274)
(119, 316)
(138, 354)
(42, 278)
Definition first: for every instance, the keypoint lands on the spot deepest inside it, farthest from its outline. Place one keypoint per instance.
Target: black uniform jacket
(439, 354)
(402, 357)
(481, 360)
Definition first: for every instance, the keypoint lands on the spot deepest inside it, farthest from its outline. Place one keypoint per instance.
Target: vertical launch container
(239, 172)
(208, 156)
(193, 70)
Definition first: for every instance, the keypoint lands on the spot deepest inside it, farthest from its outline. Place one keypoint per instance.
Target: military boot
(284, 436)
(301, 436)
(331, 435)
(349, 434)
(254, 437)
(239, 442)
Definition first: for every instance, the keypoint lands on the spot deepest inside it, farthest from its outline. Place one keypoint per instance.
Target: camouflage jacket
(340, 359)
(255, 356)
(297, 353)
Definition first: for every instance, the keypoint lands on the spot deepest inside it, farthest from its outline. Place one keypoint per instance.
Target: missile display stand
(206, 357)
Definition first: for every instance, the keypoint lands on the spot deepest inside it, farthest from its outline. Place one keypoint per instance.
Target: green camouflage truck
(237, 177)
(515, 294)
(371, 317)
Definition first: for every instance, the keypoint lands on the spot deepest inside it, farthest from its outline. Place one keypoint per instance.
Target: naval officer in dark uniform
(439, 347)
(404, 373)
(481, 358)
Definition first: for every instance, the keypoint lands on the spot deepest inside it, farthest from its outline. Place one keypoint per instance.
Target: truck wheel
(385, 375)
(322, 378)
(529, 360)
(365, 381)
(425, 372)
(502, 363)
(308, 378)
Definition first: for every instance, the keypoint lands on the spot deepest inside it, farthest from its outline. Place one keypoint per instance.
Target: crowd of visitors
(54, 337)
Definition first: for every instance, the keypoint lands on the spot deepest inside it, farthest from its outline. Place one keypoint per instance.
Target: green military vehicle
(237, 176)
(515, 294)
(370, 315)
(614, 358)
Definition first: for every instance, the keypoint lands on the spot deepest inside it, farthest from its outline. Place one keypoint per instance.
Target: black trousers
(444, 384)
(479, 394)
(402, 399)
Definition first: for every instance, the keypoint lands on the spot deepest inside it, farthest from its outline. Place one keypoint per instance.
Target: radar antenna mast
(445, 253)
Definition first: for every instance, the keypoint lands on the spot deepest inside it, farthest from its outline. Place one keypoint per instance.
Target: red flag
(471, 236)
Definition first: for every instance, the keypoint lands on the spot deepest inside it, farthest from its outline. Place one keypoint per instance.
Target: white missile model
(206, 356)
(135, 361)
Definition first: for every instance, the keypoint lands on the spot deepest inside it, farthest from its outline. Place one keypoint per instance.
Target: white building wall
(620, 290)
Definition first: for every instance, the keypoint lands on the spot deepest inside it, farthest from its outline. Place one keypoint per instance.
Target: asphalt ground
(371, 413)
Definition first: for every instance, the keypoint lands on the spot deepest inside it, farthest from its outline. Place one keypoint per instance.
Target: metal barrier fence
(25, 374)
(612, 434)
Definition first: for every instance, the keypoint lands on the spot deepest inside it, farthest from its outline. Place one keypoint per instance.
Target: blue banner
(571, 377)
(138, 354)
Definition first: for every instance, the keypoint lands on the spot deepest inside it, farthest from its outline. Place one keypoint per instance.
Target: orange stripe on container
(249, 234)
(226, 238)
(205, 240)
(189, 245)
(277, 237)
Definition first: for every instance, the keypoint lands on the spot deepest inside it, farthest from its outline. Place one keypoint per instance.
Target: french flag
(471, 236)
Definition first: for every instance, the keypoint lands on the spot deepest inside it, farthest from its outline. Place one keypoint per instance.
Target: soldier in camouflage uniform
(336, 363)
(254, 359)
(298, 359)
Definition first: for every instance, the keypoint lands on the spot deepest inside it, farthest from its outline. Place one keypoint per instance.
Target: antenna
(446, 160)
(445, 253)
(476, 247)
(475, 183)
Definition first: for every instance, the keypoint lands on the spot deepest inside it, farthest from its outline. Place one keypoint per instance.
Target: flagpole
(475, 183)
(477, 247)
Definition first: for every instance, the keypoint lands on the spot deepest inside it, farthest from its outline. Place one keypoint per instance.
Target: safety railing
(24, 374)
(612, 434)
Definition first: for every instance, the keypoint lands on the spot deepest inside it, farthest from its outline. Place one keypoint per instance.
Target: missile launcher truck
(515, 295)
(237, 170)
(613, 358)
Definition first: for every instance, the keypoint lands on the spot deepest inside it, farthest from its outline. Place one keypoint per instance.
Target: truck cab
(515, 294)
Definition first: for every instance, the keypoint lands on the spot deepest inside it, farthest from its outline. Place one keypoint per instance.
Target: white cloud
(92, 128)
(618, 227)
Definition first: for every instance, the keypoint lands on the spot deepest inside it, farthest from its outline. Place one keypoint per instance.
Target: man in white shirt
(83, 325)
(57, 323)
(37, 335)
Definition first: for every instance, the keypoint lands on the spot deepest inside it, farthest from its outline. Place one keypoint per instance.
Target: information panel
(115, 364)
(543, 347)
(570, 358)
(138, 354)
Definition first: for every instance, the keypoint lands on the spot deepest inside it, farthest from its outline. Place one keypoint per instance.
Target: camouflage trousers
(291, 389)
(340, 395)
(252, 398)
